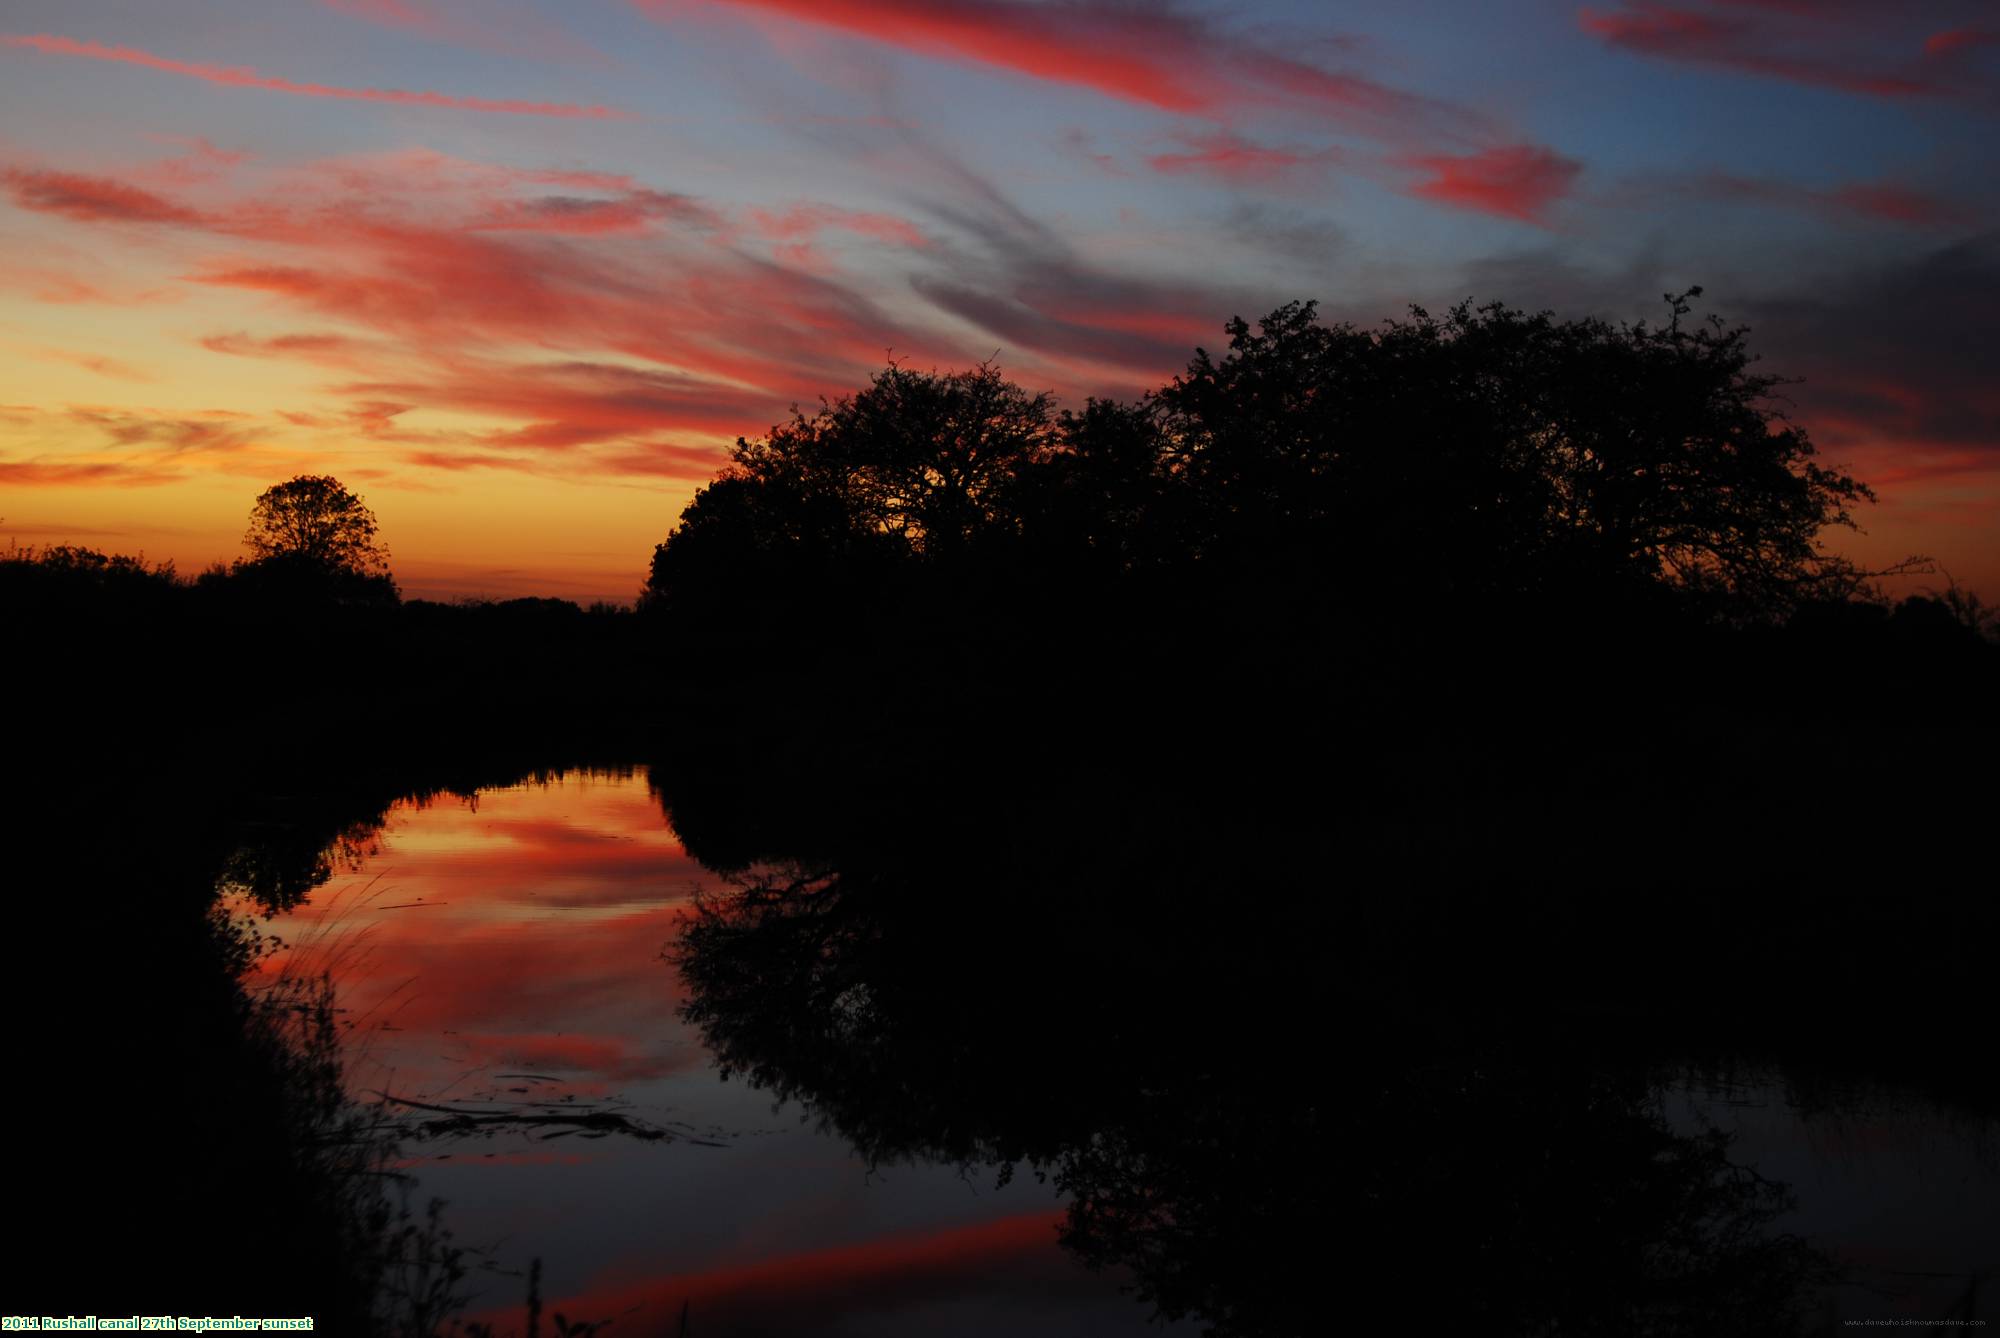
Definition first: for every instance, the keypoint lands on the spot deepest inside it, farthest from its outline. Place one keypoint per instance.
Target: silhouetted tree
(1487, 460)
(313, 544)
(916, 468)
(315, 518)
(1495, 455)
(928, 459)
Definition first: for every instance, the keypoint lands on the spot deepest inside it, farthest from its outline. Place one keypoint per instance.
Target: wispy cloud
(1867, 50)
(1881, 201)
(43, 472)
(91, 199)
(95, 362)
(1155, 55)
(237, 76)
(1232, 158)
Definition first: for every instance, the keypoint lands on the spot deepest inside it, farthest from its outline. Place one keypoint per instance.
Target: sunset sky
(519, 272)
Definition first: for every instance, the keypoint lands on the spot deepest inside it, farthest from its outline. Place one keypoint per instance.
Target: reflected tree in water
(283, 862)
(1259, 1152)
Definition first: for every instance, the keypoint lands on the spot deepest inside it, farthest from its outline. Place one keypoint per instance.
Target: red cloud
(1150, 55)
(1519, 182)
(242, 77)
(1958, 39)
(91, 199)
(457, 461)
(451, 286)
(330, 349)
(1804, 51)
(662, 460)
(1133, 55)
(575, 403)
(578, 333)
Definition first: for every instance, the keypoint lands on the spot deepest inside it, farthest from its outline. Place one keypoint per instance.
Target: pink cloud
(1520, 182)
(91, 199)
(635, 211)
(1151, 55)
(612, 328)
(1815, 46)
(808, 220)
(200, 162)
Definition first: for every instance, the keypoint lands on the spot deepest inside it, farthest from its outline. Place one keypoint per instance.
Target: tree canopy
(1491, 454)
(314, 519)
(929, 461)
(1485, 459)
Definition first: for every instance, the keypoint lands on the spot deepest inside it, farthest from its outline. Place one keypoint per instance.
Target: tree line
(1316, 489)
(1483, 472)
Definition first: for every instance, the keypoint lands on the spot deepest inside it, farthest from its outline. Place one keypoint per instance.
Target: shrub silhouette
(1487, 462)
(1494, 455)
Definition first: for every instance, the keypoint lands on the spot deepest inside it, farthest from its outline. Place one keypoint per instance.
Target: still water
(506, 955)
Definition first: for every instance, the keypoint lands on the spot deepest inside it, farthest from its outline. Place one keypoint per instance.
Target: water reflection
(1178, 1047)
(517, 931)
(1290, 1077)
(1261, 1157)
(502, 953)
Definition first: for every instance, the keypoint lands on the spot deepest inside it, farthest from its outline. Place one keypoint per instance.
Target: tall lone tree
(314, 519)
